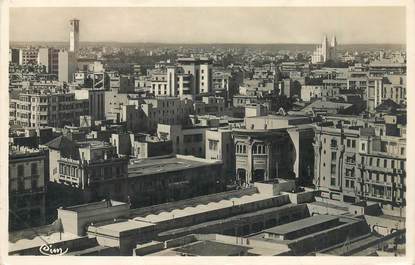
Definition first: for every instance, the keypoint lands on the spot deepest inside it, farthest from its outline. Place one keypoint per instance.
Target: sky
(351, 25)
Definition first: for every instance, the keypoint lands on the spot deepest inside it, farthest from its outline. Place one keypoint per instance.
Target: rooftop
(123, 226)
(212, 248)
(300, 224)
(162, 164)
(91, 206)
(22, 152)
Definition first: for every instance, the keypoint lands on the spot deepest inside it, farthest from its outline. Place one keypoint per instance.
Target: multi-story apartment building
(257, 87)
(353, 164)
(46, 108)
(186, 140)
(27, 187)
(120, 83)
(225, 83)
(382, 67)
(96, 102)
(15, 56)
(381, 88)
(201, 70)
(159, 83)
(357, 80)
(219, 146)
(92, 167)
(160, 110)
(29, 56)
(210, 105)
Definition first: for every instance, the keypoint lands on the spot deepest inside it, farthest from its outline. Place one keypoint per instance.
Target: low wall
(300, 197)
(321, 209)
(389, 224)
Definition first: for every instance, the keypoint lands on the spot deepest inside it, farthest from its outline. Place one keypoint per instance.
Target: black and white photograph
(154, 131)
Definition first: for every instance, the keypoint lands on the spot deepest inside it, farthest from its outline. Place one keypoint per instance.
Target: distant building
(67, 66)
(325, 52)
(201, 70)
(49, 58)
(74, 37)
(29, 56)
(16, 56)
(95, 97)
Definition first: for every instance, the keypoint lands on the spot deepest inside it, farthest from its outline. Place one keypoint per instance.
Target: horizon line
(211, 43)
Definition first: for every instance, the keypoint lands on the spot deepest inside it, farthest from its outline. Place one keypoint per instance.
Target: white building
(325, 52)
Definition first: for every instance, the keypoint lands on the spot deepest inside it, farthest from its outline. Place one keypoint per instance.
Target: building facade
(356, 164)
(27, 187)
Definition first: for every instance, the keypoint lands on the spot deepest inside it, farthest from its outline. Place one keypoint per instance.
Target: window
(333, 170)
(213, 145)
(348, 143)
(333, 143)
(393, 164)
(353, 143)
(385, 163)
(333, 182)
(363, 147)
(352, 183)
(20, 171)
(20, 185)
(34, 184)
(333, 156)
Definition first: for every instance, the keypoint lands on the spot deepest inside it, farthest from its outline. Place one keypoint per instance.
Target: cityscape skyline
(196, 149)
(351, 29)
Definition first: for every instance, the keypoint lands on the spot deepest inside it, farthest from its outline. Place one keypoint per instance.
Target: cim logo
(49, 250)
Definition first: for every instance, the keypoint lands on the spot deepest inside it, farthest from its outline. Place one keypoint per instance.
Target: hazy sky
(212, 24)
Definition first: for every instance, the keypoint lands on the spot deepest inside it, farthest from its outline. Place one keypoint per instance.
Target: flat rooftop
(92, 206)
(300, 224)
(123, 226)
(279, 117)
(162, 164)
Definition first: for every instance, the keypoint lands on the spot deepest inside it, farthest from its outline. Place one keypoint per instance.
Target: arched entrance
(241, 173)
